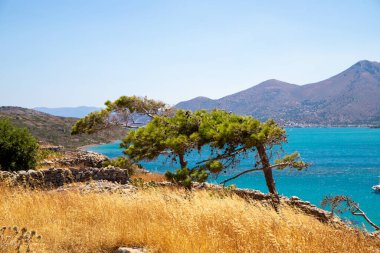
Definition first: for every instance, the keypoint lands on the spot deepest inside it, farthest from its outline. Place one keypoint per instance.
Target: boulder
(82, 158)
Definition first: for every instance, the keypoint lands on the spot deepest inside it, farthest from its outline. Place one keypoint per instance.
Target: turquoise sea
(344, 161)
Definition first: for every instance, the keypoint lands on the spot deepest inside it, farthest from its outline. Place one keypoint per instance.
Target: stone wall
(56, 177)
(304, 206)
(77, 158)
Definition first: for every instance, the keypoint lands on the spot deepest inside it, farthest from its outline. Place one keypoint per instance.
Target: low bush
(18, 148)
(122, 163)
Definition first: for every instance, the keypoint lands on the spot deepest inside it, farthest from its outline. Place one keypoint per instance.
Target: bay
(345, 161)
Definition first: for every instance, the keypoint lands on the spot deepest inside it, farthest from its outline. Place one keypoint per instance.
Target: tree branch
(166, 152)
(147, 113)
(254, 169)
(362, 214)
(236, 152)
(238, 175)
(280, 165)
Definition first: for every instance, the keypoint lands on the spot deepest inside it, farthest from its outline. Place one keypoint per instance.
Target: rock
(131, 250)
(51, 147)
(99, 187)
(22, 172)
(81, 157)
(304, 206)
(47, 162)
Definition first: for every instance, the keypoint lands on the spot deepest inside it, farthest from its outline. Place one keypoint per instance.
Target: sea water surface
(345, 161)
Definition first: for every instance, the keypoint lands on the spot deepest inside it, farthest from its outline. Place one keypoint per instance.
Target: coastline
(84, 148)
(336, 169)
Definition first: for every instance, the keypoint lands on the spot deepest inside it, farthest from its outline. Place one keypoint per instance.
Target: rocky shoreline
(294, 201)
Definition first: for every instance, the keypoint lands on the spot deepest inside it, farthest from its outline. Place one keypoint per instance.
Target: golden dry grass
(148, 177)
(169, 221)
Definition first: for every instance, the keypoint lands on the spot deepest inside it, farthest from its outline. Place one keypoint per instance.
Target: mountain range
(351, 97)
(75, 112)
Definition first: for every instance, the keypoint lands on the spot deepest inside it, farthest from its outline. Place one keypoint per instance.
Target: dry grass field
(149, 177)
(170, 221)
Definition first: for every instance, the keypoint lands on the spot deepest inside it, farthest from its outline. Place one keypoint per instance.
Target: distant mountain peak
(273, 80)
(274, 83)
(202, 98)
(368, 66)
(367, 62)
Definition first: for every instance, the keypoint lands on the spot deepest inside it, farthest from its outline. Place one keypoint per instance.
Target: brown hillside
(351, 97)
(55, 130)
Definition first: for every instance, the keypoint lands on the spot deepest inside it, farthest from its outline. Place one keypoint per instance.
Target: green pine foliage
(121, 112)
(229, 136)
(18, 148)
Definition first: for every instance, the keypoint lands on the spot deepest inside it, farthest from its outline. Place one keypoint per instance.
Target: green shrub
(122, 163)
(186, 177)
(48, 154)
(18, 148)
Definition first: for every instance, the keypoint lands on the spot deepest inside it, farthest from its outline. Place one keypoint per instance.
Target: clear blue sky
(76, 52)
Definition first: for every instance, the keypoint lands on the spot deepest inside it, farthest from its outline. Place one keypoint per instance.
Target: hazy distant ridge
(351, 97)
(75, 112)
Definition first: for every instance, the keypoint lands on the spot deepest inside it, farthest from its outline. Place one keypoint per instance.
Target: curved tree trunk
(267, 170)
(182, 161)
(359, 212)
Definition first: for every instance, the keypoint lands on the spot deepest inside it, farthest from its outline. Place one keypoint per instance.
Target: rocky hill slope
(55, 130)
(351, 97)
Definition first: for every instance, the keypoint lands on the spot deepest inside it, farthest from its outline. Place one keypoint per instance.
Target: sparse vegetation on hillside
(171, 222)
(56, 130)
